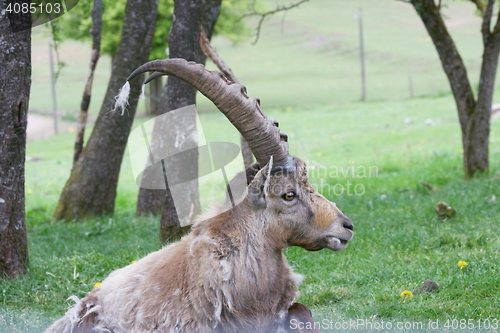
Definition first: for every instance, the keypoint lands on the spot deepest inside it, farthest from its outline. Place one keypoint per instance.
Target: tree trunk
(476, 142)
(183, 43)
(91, 188)
(97, 10)
(246, 152)
(154, 98)
(15, 84)
(474, 117)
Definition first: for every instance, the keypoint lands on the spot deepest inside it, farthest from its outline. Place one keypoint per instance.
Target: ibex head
(280, 193)
(296, 214)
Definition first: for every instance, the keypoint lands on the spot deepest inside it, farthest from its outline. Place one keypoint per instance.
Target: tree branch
(450, 58)
(97, 11)
(263, 16)
(485, 28)
(481, 6)
(496, 30)
(209, 51)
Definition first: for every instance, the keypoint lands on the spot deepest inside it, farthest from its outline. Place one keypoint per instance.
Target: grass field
(307, 77)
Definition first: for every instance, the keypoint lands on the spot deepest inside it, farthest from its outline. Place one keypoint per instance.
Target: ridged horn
(262, 134)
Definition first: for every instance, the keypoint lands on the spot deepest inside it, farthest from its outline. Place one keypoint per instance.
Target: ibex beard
(229, 274)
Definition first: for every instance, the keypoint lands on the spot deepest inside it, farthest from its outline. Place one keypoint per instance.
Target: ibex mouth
(339, 233)
(342, 238)
(335, 243)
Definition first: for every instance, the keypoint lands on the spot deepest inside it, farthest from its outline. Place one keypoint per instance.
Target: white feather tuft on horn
(121, 100)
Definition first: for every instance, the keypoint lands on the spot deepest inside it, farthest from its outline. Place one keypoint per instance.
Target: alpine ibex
(229, 273)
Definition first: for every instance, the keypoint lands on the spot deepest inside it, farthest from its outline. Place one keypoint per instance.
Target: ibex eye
(288, 196)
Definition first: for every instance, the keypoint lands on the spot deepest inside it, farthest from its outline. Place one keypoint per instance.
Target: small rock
(444, 210)
(428, 286)
(429, 122)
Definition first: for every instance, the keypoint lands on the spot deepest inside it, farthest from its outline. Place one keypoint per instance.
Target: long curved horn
(262, 134)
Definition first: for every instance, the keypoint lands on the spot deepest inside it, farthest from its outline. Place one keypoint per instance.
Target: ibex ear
(258, 189)
(251, 171)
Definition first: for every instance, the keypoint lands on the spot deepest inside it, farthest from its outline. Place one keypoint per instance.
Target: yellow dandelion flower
(29, 191)
(462, 264)
(133, 261)
(320, 154)
(97, 284)
(405, 294)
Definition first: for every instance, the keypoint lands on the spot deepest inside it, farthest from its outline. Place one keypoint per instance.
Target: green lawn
(399, 240)
(307, 75)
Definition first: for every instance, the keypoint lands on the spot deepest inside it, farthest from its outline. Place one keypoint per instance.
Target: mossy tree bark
(15, 84)
(183, 43)
(474, 115)
(91, 188)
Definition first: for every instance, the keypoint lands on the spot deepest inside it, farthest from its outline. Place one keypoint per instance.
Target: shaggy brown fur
(227, 275)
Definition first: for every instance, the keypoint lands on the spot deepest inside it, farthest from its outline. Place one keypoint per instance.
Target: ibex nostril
(348, 224)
